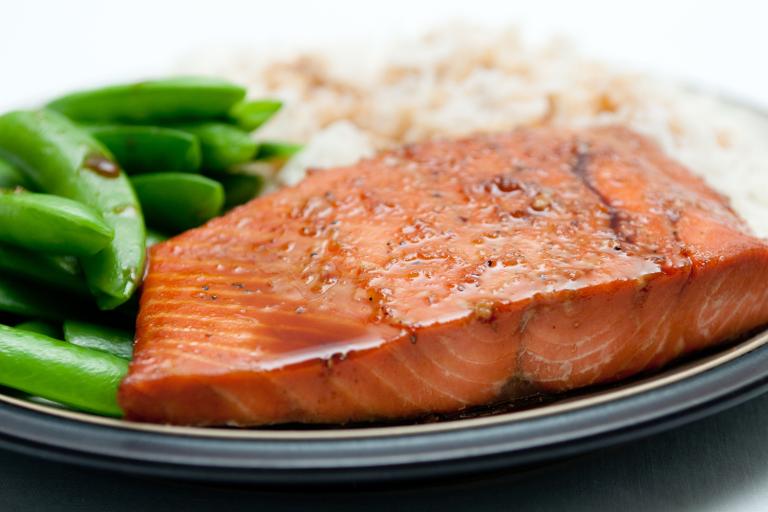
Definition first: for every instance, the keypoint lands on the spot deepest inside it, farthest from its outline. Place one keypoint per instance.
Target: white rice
(350, 102)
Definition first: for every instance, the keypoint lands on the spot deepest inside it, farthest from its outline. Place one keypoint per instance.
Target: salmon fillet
(441, 276)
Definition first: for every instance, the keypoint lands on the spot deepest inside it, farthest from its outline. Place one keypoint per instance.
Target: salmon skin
(442, 276)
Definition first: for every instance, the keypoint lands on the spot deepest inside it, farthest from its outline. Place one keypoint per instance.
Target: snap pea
(276, 150)
(150, 148)
(51, 224)
(118, 342)
(76, 376)
(249, 115)
(152, 101)
(240, 188)
(175, 202)
(222, 145)
(56, 271)
(155, 237)
(30, 300)
(65, 160)
(10, 177)
(44, 328)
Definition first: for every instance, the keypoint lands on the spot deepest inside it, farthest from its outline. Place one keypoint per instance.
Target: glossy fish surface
(442, 276)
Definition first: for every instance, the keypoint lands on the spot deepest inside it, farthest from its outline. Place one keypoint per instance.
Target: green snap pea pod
(69, 264)
(155, 237)
(222, 145)
(118, 342)
(276, 150)
(33, 301)
(44, 328)
(141, 149)
(175, 202)
(55, 271)
(249, 115)
(10, 176)
(76, 376)
(152, 101)
(65, 160)
(51, 224)
(240, 188)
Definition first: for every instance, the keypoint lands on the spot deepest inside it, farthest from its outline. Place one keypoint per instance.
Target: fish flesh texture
(440, 276)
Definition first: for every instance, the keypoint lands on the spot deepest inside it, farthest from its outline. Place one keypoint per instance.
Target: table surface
(718, 463)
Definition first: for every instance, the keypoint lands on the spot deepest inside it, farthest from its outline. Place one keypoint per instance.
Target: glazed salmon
(441, 276)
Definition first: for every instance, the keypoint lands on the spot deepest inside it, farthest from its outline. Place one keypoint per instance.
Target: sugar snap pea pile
(87, 183)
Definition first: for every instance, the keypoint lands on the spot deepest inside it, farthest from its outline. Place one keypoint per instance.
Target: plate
(513, 439)
(485, 440)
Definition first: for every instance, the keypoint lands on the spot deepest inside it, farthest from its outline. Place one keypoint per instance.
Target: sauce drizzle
(101, 165)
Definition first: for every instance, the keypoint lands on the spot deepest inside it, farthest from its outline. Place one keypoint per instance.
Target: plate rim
(644, 385)
(407, 455)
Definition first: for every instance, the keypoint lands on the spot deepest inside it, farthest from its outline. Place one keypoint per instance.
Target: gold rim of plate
(658, 381)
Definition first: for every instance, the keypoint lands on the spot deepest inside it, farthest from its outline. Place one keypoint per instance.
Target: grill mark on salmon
(441, 276)
(580, 168)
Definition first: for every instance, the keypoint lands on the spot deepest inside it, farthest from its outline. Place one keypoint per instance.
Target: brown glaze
(440, 276)
(101, 165)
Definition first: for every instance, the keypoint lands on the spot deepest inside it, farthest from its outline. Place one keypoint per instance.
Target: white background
(49, 47)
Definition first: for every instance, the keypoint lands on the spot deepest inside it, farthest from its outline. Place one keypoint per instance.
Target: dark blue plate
(517, 438)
